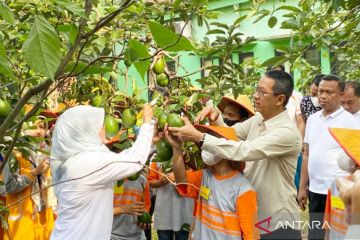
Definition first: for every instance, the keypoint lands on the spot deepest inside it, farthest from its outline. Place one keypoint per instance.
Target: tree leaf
(41, 49)
(221, 25)
(272, 21)
(73, 33)
(215, 31)
(93, 69)
(274, 61)
(6, 13)
(141, 51)
(290, 24)
(239, 20)
(72, 7)
(164, 37)
(5, 67)
(290, 8)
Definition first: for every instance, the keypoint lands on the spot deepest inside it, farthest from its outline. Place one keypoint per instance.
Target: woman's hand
(147, 113)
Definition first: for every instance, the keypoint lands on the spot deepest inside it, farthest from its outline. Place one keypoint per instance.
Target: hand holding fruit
(211, 112)
(187, 132)
(136, 208)
(41, 168)
(147, 113)
(174, 141)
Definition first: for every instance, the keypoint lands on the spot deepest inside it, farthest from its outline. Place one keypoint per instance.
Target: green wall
(263, 48)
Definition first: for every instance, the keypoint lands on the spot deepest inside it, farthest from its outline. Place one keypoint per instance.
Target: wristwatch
(201, 142)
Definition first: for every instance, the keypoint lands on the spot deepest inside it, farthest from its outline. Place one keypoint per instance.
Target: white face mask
(344, 162)
(315, 101)
(209, 158)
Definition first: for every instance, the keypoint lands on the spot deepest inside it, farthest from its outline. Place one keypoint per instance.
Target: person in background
(131, 199)
(310, 104)
(32, 218)
(320, 167)
(351, 98)
(349, 161)
(226, 207)
(235, 111)
(172, 211)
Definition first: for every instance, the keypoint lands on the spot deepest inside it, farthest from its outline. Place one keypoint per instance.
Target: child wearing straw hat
(236, 110)
(349, 161)
(226, 208)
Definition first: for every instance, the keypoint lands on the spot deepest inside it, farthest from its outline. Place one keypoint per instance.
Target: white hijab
(76, 131)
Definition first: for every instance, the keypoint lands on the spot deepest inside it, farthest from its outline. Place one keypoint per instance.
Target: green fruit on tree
(120, 182)
(164, 150)
(128, 118)
(159, 66)
(144, 218)
(162, 120)
(134, 177)
(97, 101)
(5, 108)
(175, 120)
(111, 126)
(162, 80)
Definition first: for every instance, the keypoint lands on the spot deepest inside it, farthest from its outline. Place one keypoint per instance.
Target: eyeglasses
(262, 93)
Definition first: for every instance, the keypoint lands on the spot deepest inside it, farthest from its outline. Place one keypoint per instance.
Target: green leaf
(6, 13)
(290, 8)
(215, 31)
(41, 49)
(5, 67)
(259, 18)
(221, 25)
(272, 21)
(164, 37)
(93, 69)
(239, 20)
(290, 24)
(72, 7)
(73, 33)
(274, 61)
(141, 51)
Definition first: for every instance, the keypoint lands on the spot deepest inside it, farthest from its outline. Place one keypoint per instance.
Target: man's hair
(354, 85)
(284, 83)
(317, 79)
(340, 82)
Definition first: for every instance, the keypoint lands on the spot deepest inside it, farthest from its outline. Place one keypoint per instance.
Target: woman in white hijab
(85, 205)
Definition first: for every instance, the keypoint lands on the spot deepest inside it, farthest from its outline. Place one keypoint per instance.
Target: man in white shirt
(320, 167)
(351, 98)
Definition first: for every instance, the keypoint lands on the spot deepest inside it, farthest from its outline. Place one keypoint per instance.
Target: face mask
(344, 162)
(230, 122)
(315, 101)
(209, 158)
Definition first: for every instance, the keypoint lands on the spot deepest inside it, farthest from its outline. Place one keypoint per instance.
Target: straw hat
(349, 141)
(242, 101)
(221, 131)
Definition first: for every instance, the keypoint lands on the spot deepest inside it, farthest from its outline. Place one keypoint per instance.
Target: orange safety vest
(24, 222)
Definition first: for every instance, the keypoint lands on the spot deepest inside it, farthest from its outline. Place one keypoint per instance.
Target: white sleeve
(104, 168)
(353, 232)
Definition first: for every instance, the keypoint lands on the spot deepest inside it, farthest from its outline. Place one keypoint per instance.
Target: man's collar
(357, 113)
(332, 115)
(276, 120)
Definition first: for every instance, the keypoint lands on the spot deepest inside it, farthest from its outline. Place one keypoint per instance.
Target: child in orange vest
(226, 207)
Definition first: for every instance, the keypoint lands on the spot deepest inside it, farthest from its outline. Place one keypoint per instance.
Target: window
(206, 62)
(244, 56)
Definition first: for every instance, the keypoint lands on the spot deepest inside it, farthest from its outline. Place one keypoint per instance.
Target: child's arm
(155, 180)
(247, 213)
(191, 178)
(136, 208)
